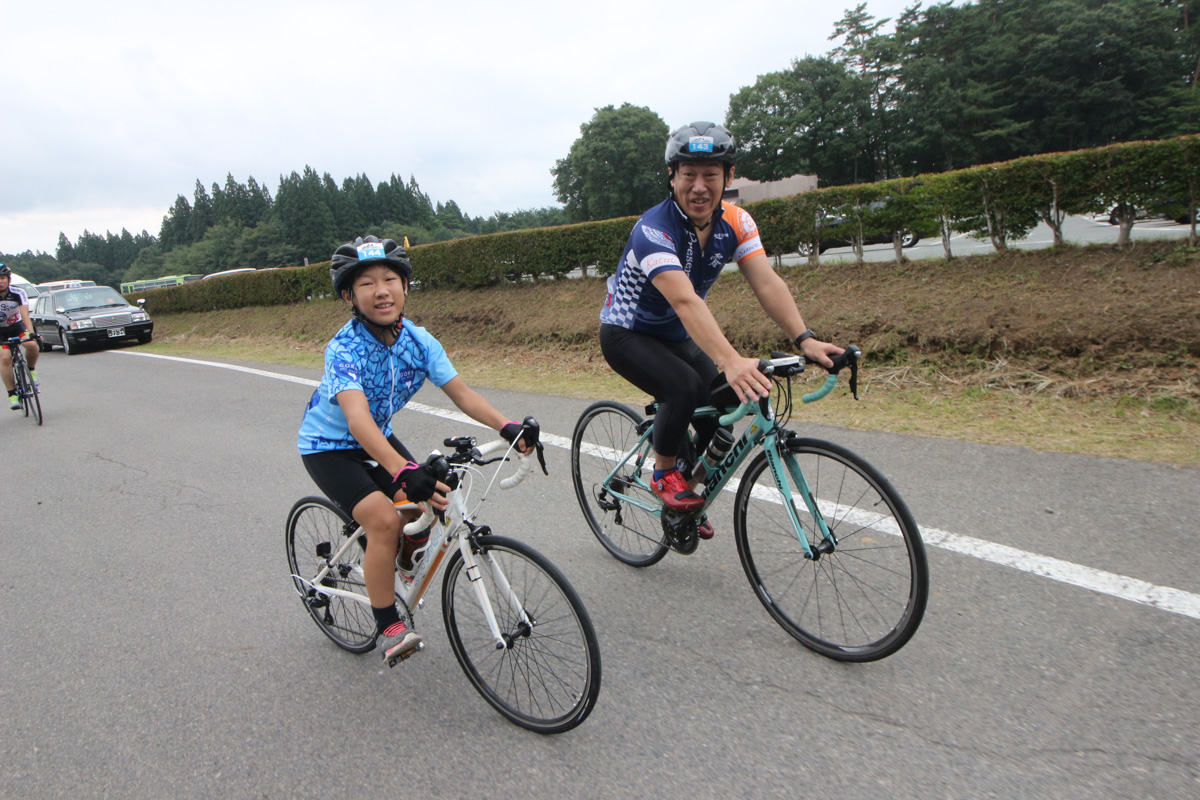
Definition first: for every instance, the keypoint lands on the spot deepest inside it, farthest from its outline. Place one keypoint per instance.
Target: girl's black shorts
(345, 478)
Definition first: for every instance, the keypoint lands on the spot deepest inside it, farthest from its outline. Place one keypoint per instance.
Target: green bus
(158, 283)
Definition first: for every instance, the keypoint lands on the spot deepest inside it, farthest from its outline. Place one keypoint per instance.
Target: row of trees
(1001, 202)
(242, 225)
(949, 87)
(975, 83)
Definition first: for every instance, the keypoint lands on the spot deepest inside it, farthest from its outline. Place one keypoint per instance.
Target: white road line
(1134, 590)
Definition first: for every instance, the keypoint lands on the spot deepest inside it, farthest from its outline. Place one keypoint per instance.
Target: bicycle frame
(16, 353)
(22, 381)
(761, 432)
(457, 528)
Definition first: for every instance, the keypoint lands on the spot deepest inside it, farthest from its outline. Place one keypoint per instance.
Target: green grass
(1165, 429)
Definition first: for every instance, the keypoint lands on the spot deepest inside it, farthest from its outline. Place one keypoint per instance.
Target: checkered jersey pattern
(664, 239)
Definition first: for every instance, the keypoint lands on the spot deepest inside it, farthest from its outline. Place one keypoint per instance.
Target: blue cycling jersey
(388, 375)
(665, 239)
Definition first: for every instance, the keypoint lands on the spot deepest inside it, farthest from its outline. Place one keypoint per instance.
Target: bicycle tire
(35, 402)
(604, 433)
(26, 390)
(548, 677)
(30, 395)
(312, 524)
(864, 600)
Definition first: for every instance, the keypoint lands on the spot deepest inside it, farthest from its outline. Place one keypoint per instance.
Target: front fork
(475, 558)
(784, 465)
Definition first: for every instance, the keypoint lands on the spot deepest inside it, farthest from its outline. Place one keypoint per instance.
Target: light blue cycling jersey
(388, 376)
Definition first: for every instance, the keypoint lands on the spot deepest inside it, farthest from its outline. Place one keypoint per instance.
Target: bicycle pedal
(406, 655)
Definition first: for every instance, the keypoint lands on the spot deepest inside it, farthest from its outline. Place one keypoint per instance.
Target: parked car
(832, 237)
(1175, 210)
(70, 318)
(73, 283)
(31, 291)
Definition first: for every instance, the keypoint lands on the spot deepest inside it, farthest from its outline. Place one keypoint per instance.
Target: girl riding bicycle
(373, 367)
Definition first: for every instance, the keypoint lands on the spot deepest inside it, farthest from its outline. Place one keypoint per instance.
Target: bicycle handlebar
(420, 523)
(479, 456)
(786, 366)
(524, 462)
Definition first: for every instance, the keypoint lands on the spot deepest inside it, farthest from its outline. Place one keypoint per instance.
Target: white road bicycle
(515, 624)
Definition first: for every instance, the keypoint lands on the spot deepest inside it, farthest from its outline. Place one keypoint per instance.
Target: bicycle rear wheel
(23, 382)
(316, 529)
(863, 600)
(548, 676)
(605, 432)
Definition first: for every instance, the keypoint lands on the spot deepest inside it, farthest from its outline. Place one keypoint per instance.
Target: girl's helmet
(701, 141)
(362, 252)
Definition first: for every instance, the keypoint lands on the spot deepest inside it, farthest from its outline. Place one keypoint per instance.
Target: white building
(744, 190)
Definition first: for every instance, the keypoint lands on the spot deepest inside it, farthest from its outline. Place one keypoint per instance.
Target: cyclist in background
(656, 329)
(14, 321)
(373, 367)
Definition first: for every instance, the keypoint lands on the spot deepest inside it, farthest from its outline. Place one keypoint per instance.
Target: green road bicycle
(27, 391)
(828, 545)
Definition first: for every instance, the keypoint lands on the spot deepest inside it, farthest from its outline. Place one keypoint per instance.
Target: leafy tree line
(242, 225)
(1001, 202)
(957, 85)
(951, 86)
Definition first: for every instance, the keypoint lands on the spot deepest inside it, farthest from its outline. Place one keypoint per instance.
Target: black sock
(385, 617)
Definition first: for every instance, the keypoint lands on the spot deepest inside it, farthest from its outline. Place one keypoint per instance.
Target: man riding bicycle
(14, 321)
(373, 367)
(656, 329)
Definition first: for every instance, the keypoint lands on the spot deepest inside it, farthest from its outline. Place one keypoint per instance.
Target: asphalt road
(151, 644)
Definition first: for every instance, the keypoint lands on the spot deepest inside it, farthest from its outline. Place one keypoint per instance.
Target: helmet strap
(375, 327)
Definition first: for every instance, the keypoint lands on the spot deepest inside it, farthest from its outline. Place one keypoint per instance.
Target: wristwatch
(808, 334)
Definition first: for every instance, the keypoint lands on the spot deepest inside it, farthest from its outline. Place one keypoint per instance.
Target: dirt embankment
(1099, 319)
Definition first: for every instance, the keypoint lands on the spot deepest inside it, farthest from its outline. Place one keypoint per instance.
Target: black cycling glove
(510, 432)
(417, 480)
(530, 431)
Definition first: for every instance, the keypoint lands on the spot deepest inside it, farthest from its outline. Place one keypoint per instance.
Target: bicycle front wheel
(547, 677)
(316, 529)
(28, 392)
(605, 432)
(33, 402)
(864, 599)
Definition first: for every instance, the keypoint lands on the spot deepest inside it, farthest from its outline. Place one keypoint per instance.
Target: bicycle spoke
(864, 599)
(547, 677)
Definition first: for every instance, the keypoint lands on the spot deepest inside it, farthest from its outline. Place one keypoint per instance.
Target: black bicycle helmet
(4, 270)
(362, 252)
(701, 141)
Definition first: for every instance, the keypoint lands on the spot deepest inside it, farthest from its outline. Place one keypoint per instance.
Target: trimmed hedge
(1000, 201)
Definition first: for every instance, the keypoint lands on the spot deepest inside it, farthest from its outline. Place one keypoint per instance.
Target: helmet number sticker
(370, 250)
(700, 144)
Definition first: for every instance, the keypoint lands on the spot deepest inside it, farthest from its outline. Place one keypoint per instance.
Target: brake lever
(535, 431)
(439, 467)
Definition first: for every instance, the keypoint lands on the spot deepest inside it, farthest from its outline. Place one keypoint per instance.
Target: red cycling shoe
(675, 493)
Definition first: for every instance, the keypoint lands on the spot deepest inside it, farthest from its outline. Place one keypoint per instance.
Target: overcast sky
(110, 110)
